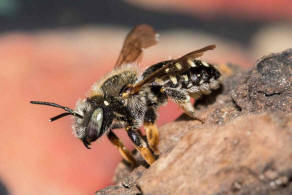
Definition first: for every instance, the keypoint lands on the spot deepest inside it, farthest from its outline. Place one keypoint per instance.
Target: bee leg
(182, 97)
(140, 145)
(177, 95)
(190, 110)
(152, 135)
(151, 130)
(127, 156)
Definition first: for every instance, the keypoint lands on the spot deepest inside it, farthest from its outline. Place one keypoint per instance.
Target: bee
(126, 99)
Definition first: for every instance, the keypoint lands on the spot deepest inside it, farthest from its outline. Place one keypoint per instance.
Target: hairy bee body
(126, 99)
(200, 78)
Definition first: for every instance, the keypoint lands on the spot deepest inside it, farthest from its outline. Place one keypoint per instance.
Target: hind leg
(177, 95)
(190, 110)
(182, 97)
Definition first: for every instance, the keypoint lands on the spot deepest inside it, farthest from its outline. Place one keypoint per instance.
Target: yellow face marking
(191, 63)
(173, 80)
(178, 66)
(167, 70)
(205, 63)
(105, 102)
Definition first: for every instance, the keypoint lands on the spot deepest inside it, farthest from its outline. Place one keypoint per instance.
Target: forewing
(142, 36)
(172, 67)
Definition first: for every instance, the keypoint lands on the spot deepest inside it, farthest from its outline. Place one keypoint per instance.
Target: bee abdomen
(200, 78)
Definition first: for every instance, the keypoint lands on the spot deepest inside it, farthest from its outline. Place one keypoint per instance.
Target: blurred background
(54, 50)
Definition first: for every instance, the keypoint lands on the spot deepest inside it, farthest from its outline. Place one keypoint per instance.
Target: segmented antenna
(69, 111)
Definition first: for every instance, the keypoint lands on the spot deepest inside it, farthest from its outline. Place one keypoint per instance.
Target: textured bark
(244, 147)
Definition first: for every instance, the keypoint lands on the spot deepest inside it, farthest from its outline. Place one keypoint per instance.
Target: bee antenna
(59, 116)
(69, 111)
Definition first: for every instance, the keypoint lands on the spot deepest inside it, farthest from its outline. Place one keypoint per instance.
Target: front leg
(127, 156)
(140, 144)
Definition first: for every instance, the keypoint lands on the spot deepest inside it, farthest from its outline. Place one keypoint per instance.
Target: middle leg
(152, 135)
(151, 130)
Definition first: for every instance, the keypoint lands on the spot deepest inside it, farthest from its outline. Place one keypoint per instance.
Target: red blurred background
(54, 51)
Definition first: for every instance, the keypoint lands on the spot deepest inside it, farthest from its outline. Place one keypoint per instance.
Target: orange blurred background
(55, 50)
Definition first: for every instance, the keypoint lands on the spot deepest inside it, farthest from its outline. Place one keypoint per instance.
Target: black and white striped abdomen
(194, 78)
(200, 78)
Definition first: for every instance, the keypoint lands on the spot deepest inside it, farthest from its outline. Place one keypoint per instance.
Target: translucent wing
(142, 36)
(171, 67)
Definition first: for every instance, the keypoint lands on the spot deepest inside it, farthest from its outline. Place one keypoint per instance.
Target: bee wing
(171, 67)
(142, 36)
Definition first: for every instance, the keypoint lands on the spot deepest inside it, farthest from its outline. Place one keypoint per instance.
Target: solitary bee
(125, 99)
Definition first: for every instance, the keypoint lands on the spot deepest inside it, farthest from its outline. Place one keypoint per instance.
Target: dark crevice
(139, 188)
(237, 107)
(269, 94)
(125, 185)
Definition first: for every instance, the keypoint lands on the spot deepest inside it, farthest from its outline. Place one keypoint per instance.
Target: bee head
(88, 119)
(88, 128)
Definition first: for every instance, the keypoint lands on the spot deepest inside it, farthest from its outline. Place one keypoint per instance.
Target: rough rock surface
(244, 147)
(268, 86)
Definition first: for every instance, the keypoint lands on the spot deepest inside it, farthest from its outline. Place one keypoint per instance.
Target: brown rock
(268, 86)
(244, 147)
(225, 159)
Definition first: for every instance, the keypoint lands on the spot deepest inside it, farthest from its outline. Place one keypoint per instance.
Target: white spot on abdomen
(205, 64)
(178, 66)
(173, 80)
(191, 63)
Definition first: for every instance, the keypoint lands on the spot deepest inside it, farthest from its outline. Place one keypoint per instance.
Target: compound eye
(95, 123)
